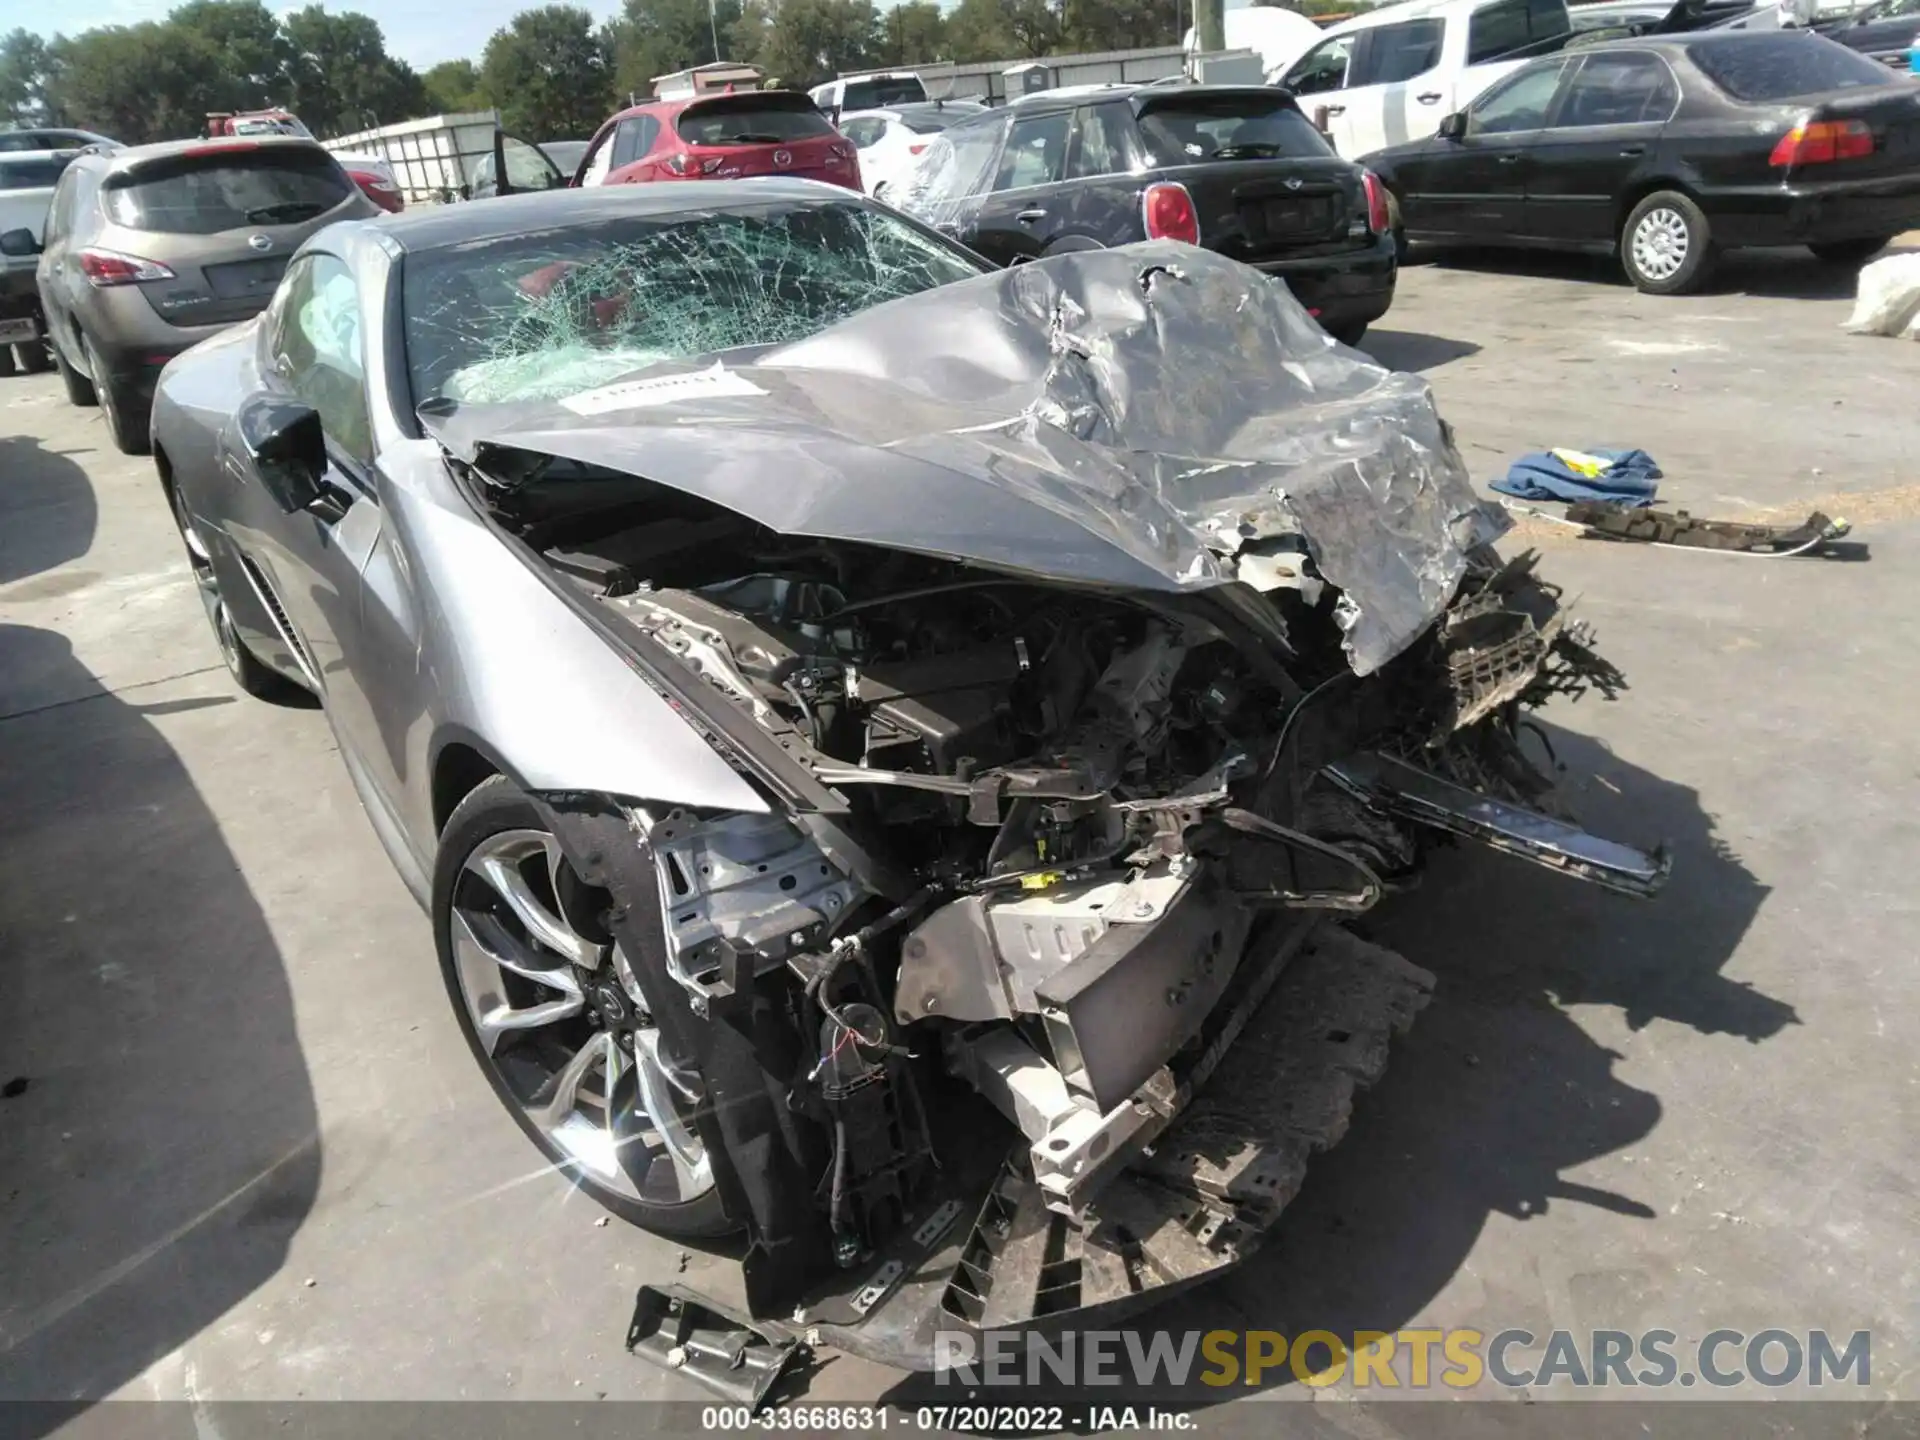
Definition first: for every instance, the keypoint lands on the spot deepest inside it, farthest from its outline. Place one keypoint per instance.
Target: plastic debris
(1888, 300)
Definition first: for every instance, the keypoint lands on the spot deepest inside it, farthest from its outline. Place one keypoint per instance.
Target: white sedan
(891, 141)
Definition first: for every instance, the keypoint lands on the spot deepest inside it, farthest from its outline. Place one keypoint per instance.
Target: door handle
(1334, 109)
(1027, 217)
(1512, 157)
(1430, 97)
(1629, 151)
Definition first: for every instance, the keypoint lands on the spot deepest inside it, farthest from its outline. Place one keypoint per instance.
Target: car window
(879, 93)
(1784, 66)
(1521, 103)
(1322, 68)
(1099, 142)
(60, 208)
(1237, 125)
(865, 133)
(207, 190)
(1619, 89)
(33, 174)
(598, 163)
(1036, 149)
(1512, 24)
(957, 163)
(633, 139)
(550, 312)
(745, 120)
(1400, 52)
(527, 168)
(320, 353)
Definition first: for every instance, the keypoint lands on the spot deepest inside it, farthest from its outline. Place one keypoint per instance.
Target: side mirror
(284, 441)
(1454, 127)
(18, 243)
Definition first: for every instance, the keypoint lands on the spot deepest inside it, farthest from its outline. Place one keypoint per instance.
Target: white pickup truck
(27, 178)
(1392, 74)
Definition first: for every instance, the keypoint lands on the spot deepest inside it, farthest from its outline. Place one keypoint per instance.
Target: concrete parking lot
(244, 1153)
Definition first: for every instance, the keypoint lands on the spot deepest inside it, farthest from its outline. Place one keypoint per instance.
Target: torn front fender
(1135, 417)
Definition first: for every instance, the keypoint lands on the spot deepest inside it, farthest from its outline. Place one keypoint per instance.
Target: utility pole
(1210, 26)
(713, 24)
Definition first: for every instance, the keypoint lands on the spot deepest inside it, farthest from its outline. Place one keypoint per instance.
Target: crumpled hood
(1134, 417)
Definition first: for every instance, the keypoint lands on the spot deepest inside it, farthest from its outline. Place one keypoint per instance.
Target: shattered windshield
(545, 314)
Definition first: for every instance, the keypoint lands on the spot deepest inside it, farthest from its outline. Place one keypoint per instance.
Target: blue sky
(421, 32)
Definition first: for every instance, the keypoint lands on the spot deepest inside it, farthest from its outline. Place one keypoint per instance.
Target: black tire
(493, 809)
(79, 389)
(6, 362)
(1348, 334)
(1666, 246)
(125, 409)
(36, 358)
(1402, 248)
(248, 672)
(1849, 252)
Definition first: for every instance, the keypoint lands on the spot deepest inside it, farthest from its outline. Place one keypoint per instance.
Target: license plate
(18, 332)
(1307, 214)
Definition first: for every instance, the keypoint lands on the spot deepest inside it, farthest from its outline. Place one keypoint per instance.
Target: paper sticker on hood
(1133, 417)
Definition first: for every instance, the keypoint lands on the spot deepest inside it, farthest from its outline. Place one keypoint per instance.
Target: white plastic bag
(1888, 301)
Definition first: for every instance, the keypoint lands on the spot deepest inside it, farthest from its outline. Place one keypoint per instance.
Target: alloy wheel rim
(1660, 243)
(561, 1023)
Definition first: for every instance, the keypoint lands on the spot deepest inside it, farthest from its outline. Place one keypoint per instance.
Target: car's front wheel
(248, 672)
(1666, 245)
(550, 1009)
(1849, 252)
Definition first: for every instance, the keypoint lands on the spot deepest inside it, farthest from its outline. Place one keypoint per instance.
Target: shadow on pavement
(1780, 274)
(49, 514)
(1497, 1090)
(158, 1137)
(1411, 350)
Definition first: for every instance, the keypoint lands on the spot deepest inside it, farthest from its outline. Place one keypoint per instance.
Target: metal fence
(987, 80)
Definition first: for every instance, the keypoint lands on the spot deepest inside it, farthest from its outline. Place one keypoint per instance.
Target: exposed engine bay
(1066, 812)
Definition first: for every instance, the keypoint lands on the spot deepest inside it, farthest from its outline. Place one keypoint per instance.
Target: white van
(1394, 74)
(875, 90)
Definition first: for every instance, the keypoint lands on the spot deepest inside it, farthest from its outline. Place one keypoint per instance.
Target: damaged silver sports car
(885, 742)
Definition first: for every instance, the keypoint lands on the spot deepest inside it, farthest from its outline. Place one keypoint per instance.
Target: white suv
(1393, 74)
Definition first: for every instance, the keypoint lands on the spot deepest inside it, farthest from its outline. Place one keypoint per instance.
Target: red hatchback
(720, 137)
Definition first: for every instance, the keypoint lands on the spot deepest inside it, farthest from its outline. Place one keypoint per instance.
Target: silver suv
(150, 250)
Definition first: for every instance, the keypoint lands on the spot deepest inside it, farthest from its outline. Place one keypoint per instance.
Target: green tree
(810, 41)
(341, 78)
(453, 88)
(250, 49)
(547, 74)
(25, 70)
(978, 30)
(153, 81)
(913, 34)
(658, 37)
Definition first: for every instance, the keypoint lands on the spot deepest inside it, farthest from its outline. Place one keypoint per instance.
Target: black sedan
(1885, 31)
(1235, 169)
(1667, 150)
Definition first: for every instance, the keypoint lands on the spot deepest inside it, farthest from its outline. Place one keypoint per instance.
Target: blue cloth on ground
(1628, 479)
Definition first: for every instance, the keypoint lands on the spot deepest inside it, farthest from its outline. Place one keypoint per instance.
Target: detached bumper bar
(1415, 795)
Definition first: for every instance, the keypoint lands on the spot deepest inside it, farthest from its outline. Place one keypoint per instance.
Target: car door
(56, 272)
(1020, 212)
(1319, 80)
(948, 187)
(1394, 92)
(1609, 119)
(1473, 185)
(309, 560)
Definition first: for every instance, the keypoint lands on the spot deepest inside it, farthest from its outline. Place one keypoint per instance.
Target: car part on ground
(154, 248)
(1235, 169)
(1888, 300)
(836, 714)
(1668, 150)
(1690, 532)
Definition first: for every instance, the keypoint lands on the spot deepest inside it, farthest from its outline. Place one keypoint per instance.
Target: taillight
(1168, 211)
(1378, 219)
(915, 149)
(1815, 142)
(110, 267)
(689, 166)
